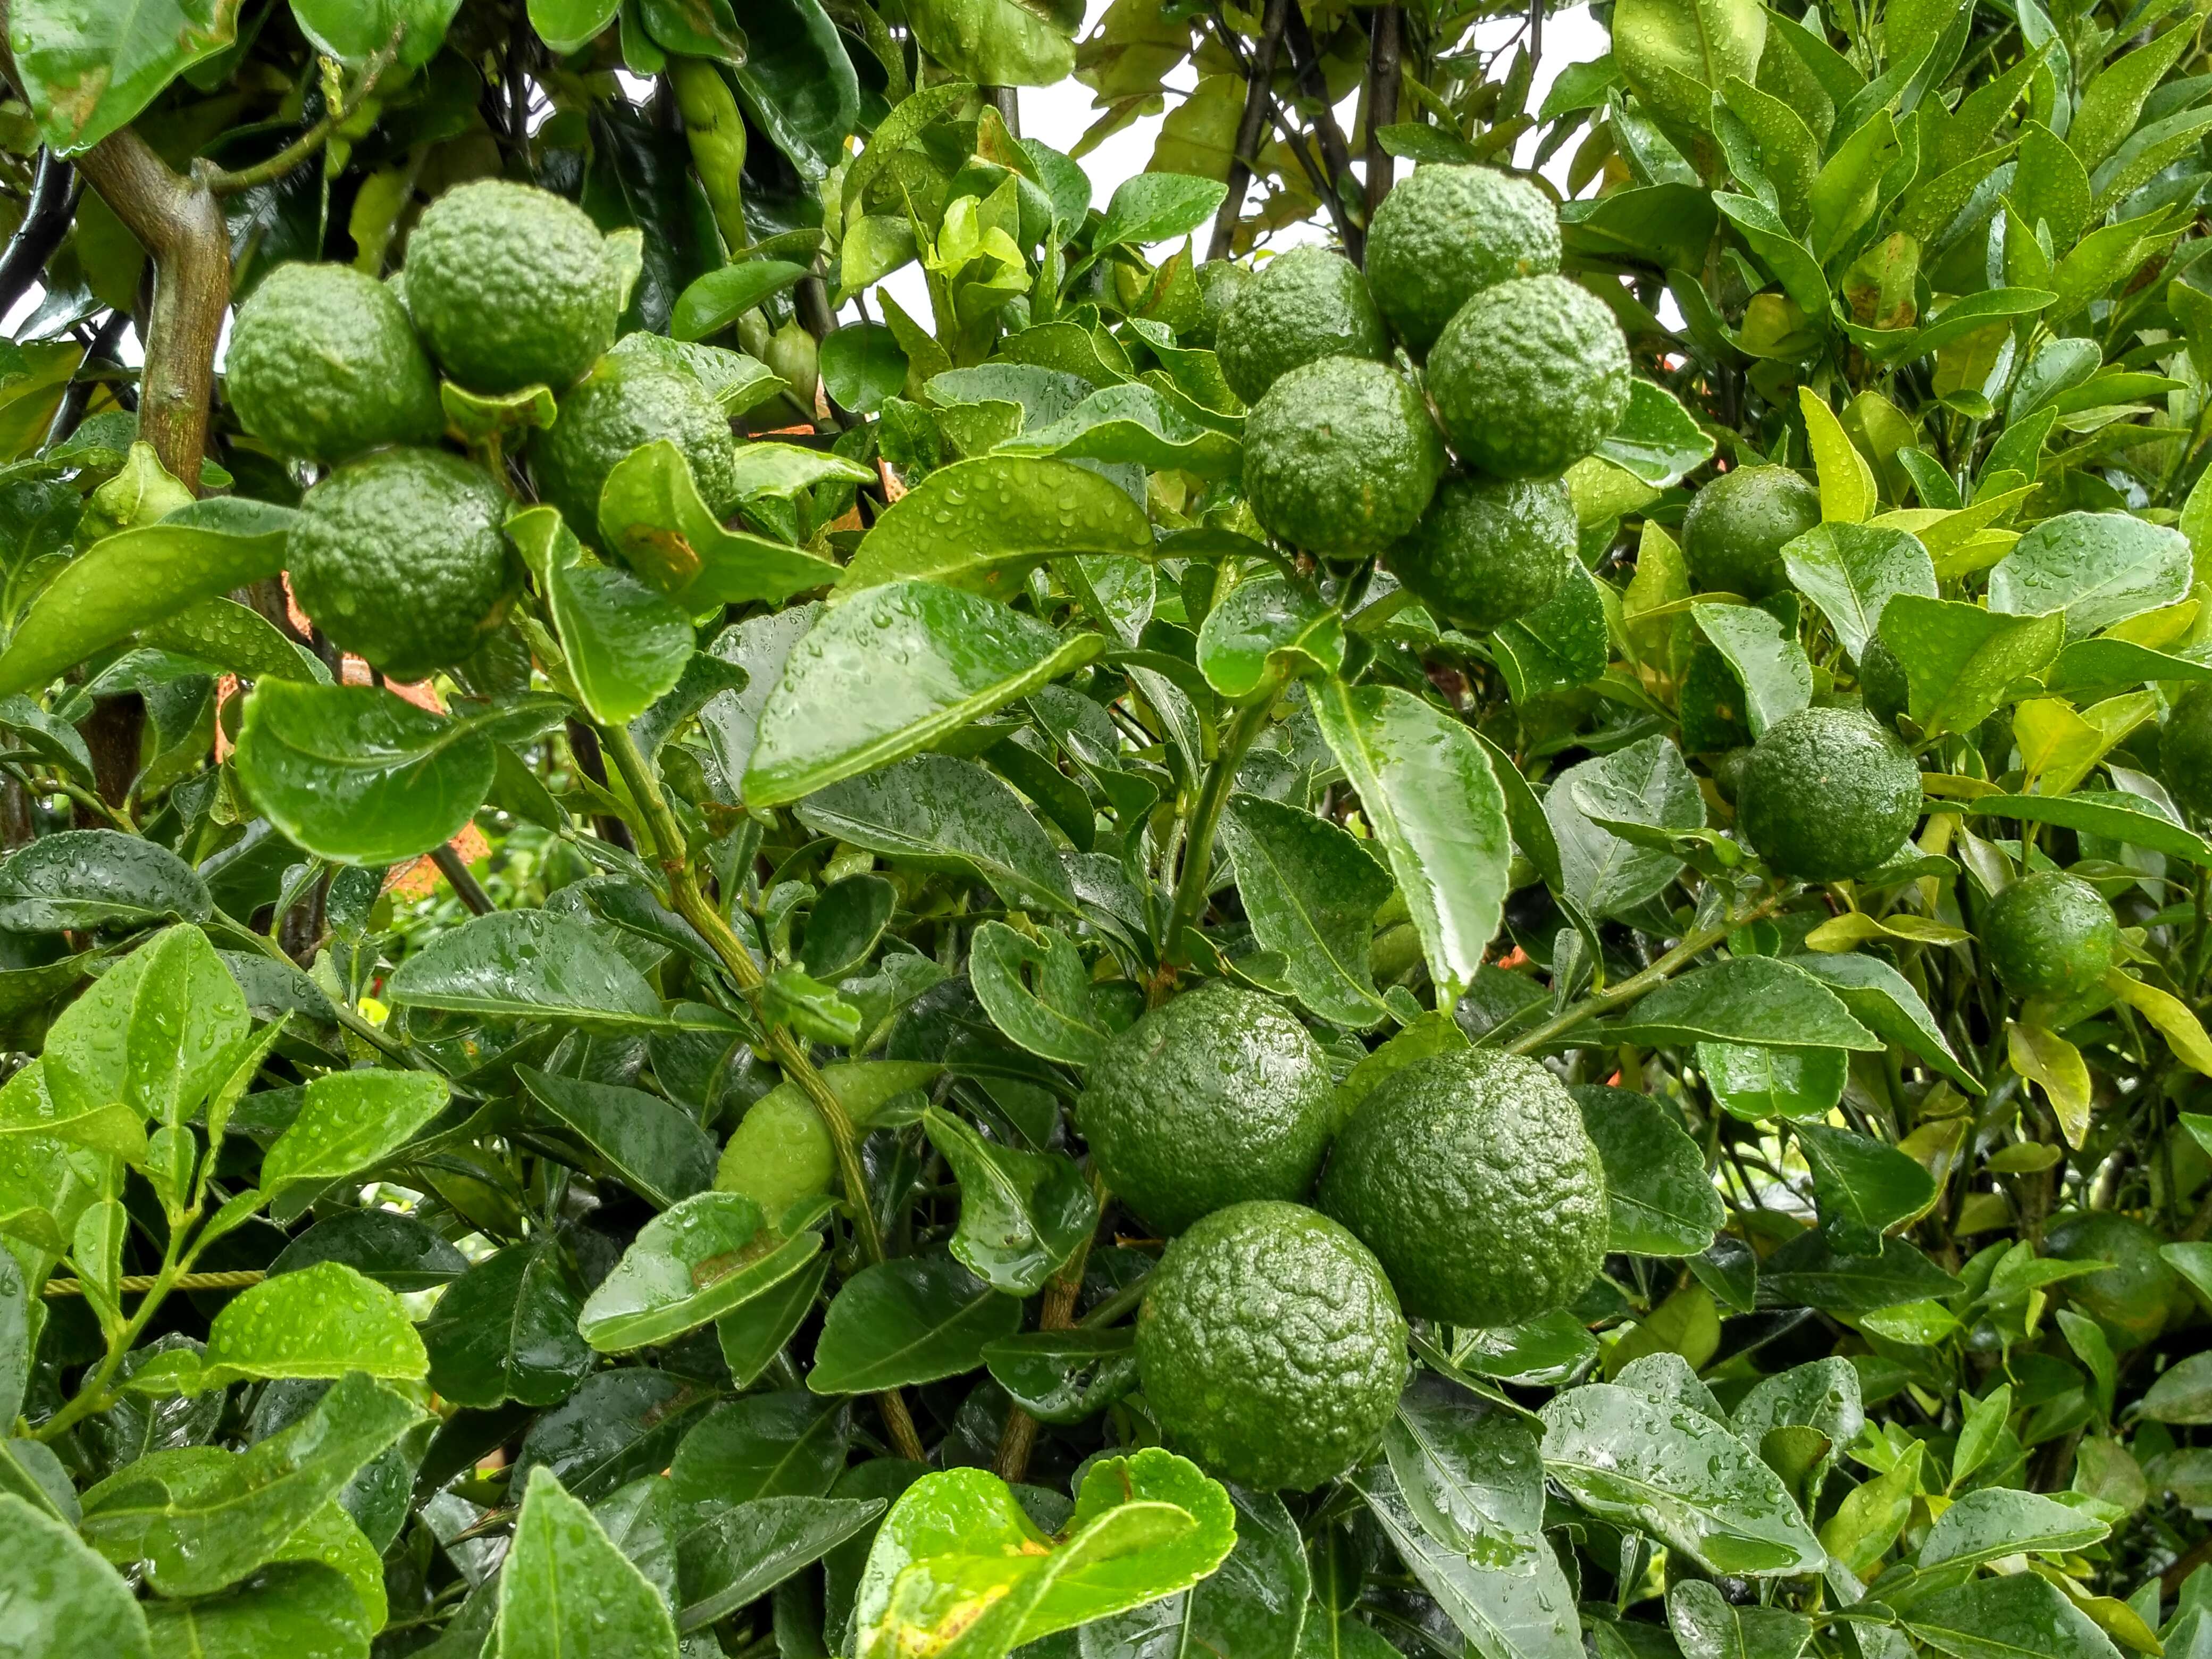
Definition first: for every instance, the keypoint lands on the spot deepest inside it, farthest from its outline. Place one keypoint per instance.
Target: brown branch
(1385, 47)
(1305, 57)
(1293, 140)
(1260, 72)
(46, 217)
(180, 225)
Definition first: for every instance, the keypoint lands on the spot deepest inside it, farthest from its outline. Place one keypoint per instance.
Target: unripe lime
(323, 365)
(2049, 934)
(1302, 306)
(1827, 794)
(1734, 533)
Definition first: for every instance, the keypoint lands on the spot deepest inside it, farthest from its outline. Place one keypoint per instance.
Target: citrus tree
(1483, 938)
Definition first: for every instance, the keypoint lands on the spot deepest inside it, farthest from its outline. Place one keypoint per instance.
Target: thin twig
(224, 182)
(462, 881)
(1313, 82)
(1260, 71)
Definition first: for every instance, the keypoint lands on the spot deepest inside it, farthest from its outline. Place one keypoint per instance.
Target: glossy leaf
(1863, 1189)
(1707, 1626)
(527, 964)
(1647, 783)
(1021, 1214)
(565, 1589)
(891, 672)
(716, 301)
(1426, 787)
(652, 516)
(1036, 991)
(1852, 571)
(83, 880)
(982, 524)
(743, 1553)
(1996, 1520)
(1768, 662)
(350, 1121)
(912, 1320)
(127, 581)
(1267, 630)
(505, 1329)
(688, 1267)
(1630, 1459)
(1064, 1376)
(626, 644)
(1755, 1083)
(2096, 568)
(1253, 1604)
(301, 1608)
(1133, 424)
(64, 1602)
(935, 813)
(1756, 1000)
(1961, 661)
(956, 1539)
(1310, 892)
(1884, 1002)
(358, 775)
(2021, 1614)
(1662, 1200)
(656, 1150)
(323, 1321)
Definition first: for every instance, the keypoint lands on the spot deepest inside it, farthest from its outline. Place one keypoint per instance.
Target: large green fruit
(1530, 376)
(2049, 934)
(1340, 456)
(1488, 549)
(400, 558)
(1827, 794)
(1446, 234)
(2185, 752)
(1270, 1345)
(1734, 531)
(324, 366)
(511, 286)
(1218, 1096)
(1302, 306)
(2134, 1297)
(623, 403)
(1470, 1176)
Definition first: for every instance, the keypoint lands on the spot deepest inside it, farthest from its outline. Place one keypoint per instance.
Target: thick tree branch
(1385, 48)
(1259, 71)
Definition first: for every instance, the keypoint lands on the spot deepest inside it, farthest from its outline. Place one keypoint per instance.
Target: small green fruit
(1340, 456)
(1488, 551)
(1302, 306)
(1529, 377)
(1734, 531)
(1270, 1345)
(1446, 233)
(621, 404)
(2049, 934)
(1471, 1177)
(323, 365)
(1827, 794)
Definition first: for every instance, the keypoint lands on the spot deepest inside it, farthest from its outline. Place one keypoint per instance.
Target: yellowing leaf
(1855, 928)
(1848, 493)
(2156, 631)
(2046, 1058)
(2183, 1031)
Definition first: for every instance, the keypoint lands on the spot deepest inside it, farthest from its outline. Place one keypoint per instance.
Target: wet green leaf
(1310, 892)
(567, 1589)
(505, 1329)
(912, 1320)
(1663, 1202)
(937, 813)
(982, 524)
(651, 516)
(1021, 1214)
(1065, 1377)
(688, 1267)
(324, 1321)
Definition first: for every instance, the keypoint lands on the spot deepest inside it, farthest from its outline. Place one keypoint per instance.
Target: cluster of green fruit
(1272, 1342)
(1525, 371)
(399, 554)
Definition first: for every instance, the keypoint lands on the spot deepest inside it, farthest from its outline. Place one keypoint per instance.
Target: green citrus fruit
(2049, 934)
(1270, 1345)
(1340, 456)
(1828, 793)
(2133, 1297)
(324, 366)
(511, 286)
(1220, 282)
(400, 558)
(1470, 1176)
(1734, 533)
(1882, 681)
(1302, 306)
(1488, 549)
(1446, 234)
(1529, 377)
(1218, 1096)
(2185, 752)
(623, 404)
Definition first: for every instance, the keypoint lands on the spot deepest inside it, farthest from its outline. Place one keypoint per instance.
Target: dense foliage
(760, 1094)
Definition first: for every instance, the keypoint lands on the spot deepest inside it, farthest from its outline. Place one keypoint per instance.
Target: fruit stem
(1198, 839)
(1691, 944)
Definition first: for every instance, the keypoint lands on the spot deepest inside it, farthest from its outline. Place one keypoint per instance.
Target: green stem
(1123, 1301)
(222, 182)
(1691, 944)
(692, 905)
(92, 1396)
(1198, 837)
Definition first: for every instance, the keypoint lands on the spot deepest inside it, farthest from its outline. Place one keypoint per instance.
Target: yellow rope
(229, 1281)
